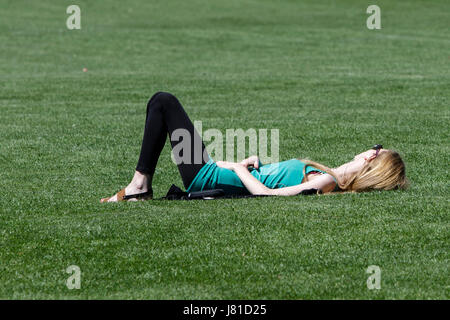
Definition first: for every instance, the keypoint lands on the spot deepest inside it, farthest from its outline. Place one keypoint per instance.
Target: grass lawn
(311, 69)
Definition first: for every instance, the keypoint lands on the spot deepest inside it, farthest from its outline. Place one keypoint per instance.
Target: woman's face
(366, 155)
(361, 159)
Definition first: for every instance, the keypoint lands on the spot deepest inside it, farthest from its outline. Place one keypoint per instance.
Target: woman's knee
(162, 99)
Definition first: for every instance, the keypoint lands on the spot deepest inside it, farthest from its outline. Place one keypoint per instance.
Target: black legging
(164, 115)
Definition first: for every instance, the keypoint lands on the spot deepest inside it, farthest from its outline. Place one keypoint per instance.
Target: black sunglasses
(377, 147)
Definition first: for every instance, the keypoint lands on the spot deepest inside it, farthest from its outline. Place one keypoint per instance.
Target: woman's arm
(254, 186)
(325, 182)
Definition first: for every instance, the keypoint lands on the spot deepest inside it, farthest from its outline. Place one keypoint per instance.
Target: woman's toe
(109, 199)
(112, 199)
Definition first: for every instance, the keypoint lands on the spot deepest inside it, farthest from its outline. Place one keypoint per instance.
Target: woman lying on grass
(375, 169)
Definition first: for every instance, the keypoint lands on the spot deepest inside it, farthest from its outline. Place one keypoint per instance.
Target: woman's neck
(343, 172)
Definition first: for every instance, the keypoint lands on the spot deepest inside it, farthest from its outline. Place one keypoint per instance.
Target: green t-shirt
(274, 175)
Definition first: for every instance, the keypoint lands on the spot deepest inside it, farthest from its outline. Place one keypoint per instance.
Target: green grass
(311, 69)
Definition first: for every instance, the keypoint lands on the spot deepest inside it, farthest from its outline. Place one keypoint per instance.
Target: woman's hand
(227, 164)
(251, 161)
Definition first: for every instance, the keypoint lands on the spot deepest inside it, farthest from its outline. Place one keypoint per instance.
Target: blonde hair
(385, 172)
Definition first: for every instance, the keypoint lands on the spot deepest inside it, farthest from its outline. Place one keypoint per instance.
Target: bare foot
(140, 183)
